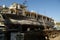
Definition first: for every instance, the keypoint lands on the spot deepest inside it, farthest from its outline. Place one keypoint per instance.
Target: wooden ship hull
(16, 23)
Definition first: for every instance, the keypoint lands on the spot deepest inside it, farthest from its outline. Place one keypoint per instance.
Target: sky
(50, 8)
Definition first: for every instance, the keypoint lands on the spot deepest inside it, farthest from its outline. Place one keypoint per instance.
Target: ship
(18, 23)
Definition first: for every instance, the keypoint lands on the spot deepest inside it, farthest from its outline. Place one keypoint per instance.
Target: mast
(25, 2)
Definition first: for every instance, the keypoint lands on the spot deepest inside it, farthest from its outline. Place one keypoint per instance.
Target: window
(19, 37)
(1, 36)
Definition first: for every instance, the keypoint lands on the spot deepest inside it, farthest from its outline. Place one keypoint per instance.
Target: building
(57, 25)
